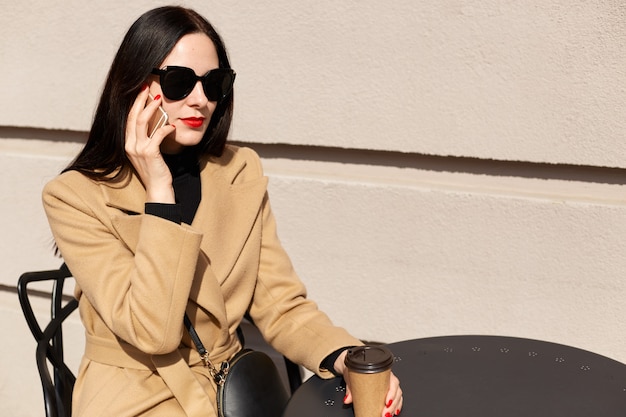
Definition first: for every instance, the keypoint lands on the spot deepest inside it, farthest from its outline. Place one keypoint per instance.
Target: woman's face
(192, 114)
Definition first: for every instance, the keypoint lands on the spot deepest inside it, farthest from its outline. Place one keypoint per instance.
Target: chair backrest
(57, 388)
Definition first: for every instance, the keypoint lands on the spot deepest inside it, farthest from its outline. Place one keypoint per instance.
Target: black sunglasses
(178, 82)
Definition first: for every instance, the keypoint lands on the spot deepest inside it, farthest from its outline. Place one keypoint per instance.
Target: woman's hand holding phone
(143, 149)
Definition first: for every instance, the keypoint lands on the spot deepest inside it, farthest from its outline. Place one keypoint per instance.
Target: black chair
(57, 389)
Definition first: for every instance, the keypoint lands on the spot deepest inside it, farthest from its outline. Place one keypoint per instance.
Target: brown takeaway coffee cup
(369, 369)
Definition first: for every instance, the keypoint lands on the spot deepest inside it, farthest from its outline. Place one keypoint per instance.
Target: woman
(153, 227)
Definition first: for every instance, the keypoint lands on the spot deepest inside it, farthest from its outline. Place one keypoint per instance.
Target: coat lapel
(128, 195)
(227, 212)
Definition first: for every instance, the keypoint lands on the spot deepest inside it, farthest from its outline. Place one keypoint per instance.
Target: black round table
(486, 376)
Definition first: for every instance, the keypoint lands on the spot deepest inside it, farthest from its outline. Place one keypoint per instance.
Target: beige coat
(137, 274)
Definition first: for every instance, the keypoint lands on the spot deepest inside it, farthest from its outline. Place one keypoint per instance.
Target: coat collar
(127, 194)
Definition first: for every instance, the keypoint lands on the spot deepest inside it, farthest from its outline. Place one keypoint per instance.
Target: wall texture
(437, 167)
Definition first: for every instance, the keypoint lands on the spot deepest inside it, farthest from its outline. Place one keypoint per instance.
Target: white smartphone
(158, 120)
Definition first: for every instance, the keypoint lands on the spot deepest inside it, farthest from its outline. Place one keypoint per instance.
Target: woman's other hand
(144, 152)
(393, 399)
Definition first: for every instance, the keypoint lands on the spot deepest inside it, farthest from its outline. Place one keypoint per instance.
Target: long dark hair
(146, 44)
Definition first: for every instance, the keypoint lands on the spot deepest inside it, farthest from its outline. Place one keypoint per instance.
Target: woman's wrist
(161, 195)
(340, 362)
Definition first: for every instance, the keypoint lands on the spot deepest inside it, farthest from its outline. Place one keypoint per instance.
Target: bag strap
(194, 337)
(219, 376)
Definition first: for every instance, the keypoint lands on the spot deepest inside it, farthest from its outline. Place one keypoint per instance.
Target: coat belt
(173, 368)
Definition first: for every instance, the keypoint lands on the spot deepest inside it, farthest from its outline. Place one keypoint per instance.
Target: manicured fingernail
(389, 403)
(397, 412)
(345, 398)
(388, 415)
(158, 96)
(143, 87)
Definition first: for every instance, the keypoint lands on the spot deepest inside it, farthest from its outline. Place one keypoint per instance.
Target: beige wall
(458, 166)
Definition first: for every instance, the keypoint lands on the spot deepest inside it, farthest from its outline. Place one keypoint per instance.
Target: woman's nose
(197, 96)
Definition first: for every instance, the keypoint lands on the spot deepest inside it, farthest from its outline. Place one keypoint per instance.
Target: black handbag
(248, 385)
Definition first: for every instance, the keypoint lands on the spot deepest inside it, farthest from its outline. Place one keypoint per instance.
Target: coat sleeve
(136, 288)
(288, 320)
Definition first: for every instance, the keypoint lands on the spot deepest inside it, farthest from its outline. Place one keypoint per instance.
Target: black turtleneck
(186, 182)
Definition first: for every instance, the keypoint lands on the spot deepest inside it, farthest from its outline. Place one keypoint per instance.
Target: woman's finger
(347, 399)
(138, 105)
(393, 400)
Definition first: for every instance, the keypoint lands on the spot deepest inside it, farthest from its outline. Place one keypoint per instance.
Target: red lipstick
(193, 122)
